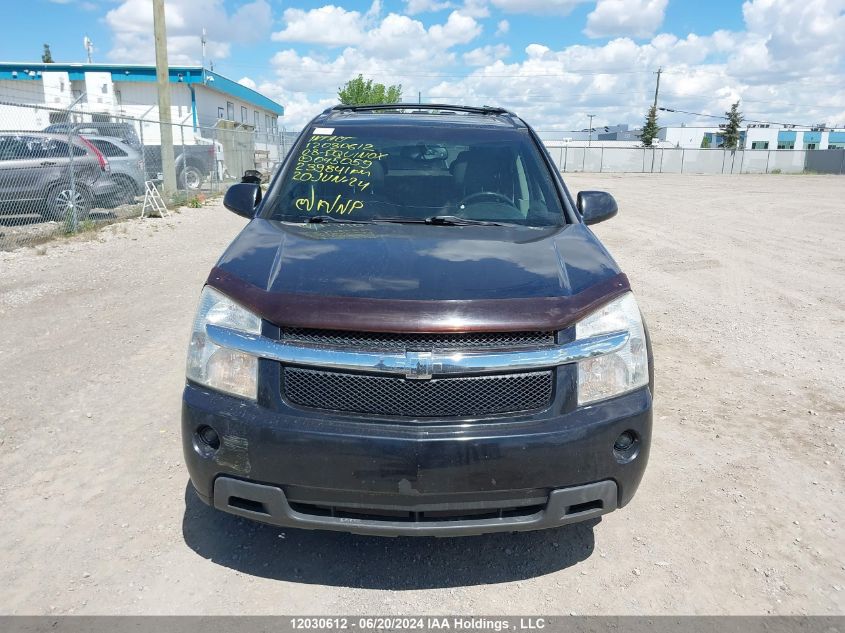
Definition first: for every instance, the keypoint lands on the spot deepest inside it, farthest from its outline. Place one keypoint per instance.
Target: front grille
(410, 516)
(426, 342)
(439, 397)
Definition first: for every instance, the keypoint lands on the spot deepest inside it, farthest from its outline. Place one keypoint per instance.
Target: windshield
(414, 173)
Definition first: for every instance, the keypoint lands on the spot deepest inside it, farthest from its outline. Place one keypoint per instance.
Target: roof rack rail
(421, 106)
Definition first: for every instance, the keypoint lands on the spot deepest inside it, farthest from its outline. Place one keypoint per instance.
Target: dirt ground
(742, 280)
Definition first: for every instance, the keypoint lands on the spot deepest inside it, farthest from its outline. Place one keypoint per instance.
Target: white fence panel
(574, 159)
(705, 161)
(623, 159)
(754, 161)
(671, 161)
(787, 161)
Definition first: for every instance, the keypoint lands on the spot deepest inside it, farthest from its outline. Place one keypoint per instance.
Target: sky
(553, 62)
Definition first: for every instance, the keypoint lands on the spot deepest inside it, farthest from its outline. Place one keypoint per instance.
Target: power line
(716, 116)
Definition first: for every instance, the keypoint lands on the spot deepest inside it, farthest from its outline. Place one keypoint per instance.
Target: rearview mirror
(242, 198)
(596, 206)
(435, 152)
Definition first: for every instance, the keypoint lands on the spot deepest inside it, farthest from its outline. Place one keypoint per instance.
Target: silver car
(127, 169)
(43, 173)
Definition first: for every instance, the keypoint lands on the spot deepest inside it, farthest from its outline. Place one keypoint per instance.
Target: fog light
(623, 442)
(209, 437)
(626, 447)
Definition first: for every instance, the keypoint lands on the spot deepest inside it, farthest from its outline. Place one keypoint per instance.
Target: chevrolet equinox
(417, 334)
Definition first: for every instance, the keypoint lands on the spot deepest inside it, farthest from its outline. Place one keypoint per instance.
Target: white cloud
(475, 8)
(329, 25)
(413, 7)
(785, 65)
(132, 27)
(556, 89)
(788, 38)
(458, 29)
(558, 7)
(634, 18)
(390, 48)
(486, 55)
(373, 12)
(248, 82)
(299, 106)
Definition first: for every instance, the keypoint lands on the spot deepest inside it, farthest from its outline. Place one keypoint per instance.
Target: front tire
(190, 178)
(62, 199)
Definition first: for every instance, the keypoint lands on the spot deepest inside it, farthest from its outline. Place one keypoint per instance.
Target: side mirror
(242, 198)
(596, 206)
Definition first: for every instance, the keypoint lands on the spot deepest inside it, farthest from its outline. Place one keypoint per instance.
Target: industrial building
(763, 136)
(203, 102)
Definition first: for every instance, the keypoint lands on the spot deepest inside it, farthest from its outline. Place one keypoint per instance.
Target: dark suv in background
(44, 173)
(417, 333)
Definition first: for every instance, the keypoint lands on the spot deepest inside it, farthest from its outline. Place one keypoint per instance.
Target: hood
(440, 274)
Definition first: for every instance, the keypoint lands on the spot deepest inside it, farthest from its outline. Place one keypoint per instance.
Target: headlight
(218, 367)
(621, 371)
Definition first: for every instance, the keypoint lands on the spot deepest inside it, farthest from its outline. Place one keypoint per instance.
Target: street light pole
(590, 131)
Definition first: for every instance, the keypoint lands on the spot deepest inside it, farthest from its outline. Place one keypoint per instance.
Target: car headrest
(482, 171)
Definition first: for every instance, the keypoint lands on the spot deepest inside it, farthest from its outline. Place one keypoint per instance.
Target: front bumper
(299, 469)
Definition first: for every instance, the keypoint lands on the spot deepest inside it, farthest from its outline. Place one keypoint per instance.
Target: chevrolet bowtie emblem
(418, 365)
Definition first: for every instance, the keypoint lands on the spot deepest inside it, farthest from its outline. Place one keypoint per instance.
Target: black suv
(417, 333)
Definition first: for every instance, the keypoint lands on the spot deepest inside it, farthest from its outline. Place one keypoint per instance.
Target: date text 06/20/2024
(418, 624)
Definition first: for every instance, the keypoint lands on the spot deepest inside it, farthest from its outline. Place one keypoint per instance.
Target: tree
(650, 129)
(705, 142)
(47, 56)
(359, 91)
(731, 133)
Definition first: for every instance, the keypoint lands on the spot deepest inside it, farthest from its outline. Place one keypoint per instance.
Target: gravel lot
(742, 280)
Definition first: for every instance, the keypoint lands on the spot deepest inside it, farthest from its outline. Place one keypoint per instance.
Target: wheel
(62, 199)
(190, 178)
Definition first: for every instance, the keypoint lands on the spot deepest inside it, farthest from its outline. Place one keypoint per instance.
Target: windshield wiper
(401, 220)
(454, 220)
(317, 219)
(443, 220)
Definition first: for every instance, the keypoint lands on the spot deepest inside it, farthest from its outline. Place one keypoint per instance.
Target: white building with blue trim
(201, 100)
(758, 136)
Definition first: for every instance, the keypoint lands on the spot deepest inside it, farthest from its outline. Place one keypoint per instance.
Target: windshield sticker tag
(327, 131)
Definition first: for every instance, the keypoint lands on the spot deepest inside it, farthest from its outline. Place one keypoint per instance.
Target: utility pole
(657, 87)
(202, 40)
(89, 47)
(590, 131)
(168, 166)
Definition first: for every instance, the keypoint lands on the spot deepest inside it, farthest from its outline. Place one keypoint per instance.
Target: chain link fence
(616, 159)
(65, 170)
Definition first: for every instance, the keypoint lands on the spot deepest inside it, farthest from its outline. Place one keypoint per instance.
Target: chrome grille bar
(416, 365)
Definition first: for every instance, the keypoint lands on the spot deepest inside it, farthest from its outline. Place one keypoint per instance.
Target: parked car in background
(127, 169)
(123, 131)
(46, 174)
(194, 161)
